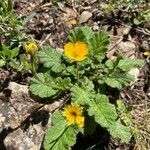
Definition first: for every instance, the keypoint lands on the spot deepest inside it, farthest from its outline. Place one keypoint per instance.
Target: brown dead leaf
(69, 17)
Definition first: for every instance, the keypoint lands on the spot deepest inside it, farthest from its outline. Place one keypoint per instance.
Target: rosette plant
(82, 72)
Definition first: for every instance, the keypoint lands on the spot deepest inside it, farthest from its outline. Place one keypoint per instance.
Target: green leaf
(116, 70)
(2, 62)
(83, 95)
(103, 112)
(15, 64)
(88, 33)
(80, 34)
(111, 64)
(60, 136)
(14, 52)
(43, 85)
(6, 51)
(118, 130)
(64, 84)
(80, 96)
(118, 79)
(121, 106)
(124, 113)
(24, 59)
(51, 59)
(71, 70)
(99, 45)
(126, 64)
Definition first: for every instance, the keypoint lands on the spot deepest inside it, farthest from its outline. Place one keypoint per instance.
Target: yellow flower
(73, 114)
(147, 53)
(77, 51)
(31, 48)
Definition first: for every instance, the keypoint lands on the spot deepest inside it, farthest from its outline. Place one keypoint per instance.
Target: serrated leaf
(88, 33)
(63, 84)
(80, 34)
(83, 95)
(118, 130)
(99, 45)
(118, 80)
(60, 136)
(43, 85)
(113, 63)
(127, 64)
(71, 70)
(103, 112)
(80, 95)
(51, 59)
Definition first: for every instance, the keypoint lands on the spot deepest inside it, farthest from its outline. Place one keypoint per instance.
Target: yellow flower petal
(81, 50)
(77, 51)
(31, 48)
(73, 115)
(80, 121)
(147, 53)
(69, 50)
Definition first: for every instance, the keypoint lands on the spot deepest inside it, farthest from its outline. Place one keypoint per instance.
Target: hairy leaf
(60, 136)
(99, 44)
(43, 85)
(118, 79)
(63, 84)
(127, 63)
(111, 64)
(116, 71)
(80, 96)
(81, 34)
(118, 130)
(83, 95)
(51, 59)
(103, 112)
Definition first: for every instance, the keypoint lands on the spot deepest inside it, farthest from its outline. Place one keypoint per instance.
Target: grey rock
(21, 127)
(85, 16)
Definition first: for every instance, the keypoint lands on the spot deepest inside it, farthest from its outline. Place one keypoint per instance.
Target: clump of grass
(141, 125)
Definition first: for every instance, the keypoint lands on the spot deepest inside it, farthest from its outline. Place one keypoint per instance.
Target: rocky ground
(23, 120)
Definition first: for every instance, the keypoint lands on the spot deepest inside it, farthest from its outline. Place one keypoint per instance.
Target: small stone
(134, 72)
(85, 16)
(93, 1)
(145, 45)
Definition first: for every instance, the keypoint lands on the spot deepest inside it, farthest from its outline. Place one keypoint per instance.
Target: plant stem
(77, 72)
(33, 65)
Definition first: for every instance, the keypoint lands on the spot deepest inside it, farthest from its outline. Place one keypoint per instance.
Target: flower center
(74, 113)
